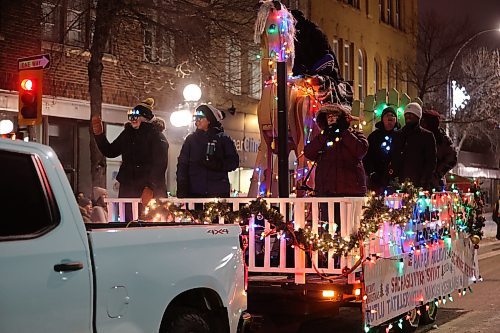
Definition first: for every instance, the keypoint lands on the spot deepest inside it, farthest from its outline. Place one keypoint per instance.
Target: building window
(347, 62)
(389, 76)
(389, 12)
(232, 82)
(376, 75)
(167, 49)
(381, 15)
(50, 21)
(335, 46)
(397, 21)
(361, 75)
(255, 70)
(149, 47)
(354, 3)
(397, 75)
(69, 22)
(159, 46)
(75, 22)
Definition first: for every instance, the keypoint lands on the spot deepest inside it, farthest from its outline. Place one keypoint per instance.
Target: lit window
(376, 75)
(347, 62)
(255, 71)
(361, 76)
(232, 81)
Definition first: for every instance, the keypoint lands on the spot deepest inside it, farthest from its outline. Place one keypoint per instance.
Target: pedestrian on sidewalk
(496, 217)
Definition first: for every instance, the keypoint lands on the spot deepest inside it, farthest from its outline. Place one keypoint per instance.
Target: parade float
(398, 256)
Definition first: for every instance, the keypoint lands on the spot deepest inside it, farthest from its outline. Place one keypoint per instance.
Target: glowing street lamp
(183, 116)
(192, 93)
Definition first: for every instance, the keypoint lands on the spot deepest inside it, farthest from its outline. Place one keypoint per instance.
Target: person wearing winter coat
(144, 151)
(446, 155)
(85, 206)
(206, 157)
(338, 152)
(99, 209)
(377, 160)
(414, 155)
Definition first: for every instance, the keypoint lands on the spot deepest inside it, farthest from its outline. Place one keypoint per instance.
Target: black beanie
(145, 108)
(387, 110)
(213, 115)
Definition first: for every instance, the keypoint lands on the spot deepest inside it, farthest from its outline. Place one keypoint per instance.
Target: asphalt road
(475, 312)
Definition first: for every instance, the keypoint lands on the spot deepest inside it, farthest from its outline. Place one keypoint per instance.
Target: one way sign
(41, 61)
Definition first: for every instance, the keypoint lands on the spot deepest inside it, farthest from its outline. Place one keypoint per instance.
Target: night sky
(482, 15)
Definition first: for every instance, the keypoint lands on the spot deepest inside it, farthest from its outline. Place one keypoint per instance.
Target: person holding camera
(338, 153)
(206, 157)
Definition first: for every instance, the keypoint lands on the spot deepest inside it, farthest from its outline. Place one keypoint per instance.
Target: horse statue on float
(308, 56)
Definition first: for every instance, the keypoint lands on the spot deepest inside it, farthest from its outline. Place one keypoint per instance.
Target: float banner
(394, 286)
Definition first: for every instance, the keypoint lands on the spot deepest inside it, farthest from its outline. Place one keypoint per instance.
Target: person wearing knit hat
(377, 160)
(213, 115)
(206, 157)
(338, 152)
(413, 109)
(414, 155)
(144, 151)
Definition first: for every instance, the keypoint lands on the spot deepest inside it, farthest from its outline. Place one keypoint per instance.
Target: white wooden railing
(302, 211)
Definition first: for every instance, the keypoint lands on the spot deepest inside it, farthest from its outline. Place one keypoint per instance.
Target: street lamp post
(448, 77)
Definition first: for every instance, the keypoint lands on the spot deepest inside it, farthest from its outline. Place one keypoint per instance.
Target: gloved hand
(212, 163)
(342, 123)
(331, 132)
(146, 196)
(97, 127)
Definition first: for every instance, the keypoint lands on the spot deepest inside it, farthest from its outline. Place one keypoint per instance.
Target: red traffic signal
(30, 97)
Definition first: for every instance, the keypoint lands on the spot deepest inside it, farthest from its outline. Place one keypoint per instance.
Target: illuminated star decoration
(459, 97)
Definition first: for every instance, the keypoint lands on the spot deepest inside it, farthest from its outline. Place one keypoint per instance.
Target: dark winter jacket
(414, 155)
(339, 170)
(446, 157)
(144, 159)
(202, 177)
(377, 160)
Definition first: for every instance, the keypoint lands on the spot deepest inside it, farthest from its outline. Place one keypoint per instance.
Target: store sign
(393, 287)
(248, 144)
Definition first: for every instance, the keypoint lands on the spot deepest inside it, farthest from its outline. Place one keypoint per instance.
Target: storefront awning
(468, 171)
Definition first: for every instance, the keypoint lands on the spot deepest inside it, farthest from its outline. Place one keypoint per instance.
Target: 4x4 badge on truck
(218, 231)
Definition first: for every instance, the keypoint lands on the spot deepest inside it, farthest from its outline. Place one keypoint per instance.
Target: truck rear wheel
(188, 320)
(429, 313)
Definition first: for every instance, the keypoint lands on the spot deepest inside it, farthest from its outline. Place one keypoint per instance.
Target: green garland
(374, 213)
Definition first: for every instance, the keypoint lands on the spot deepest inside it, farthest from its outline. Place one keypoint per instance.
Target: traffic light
(30, 97)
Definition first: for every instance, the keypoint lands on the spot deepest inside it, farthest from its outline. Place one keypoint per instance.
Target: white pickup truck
(59, 275)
